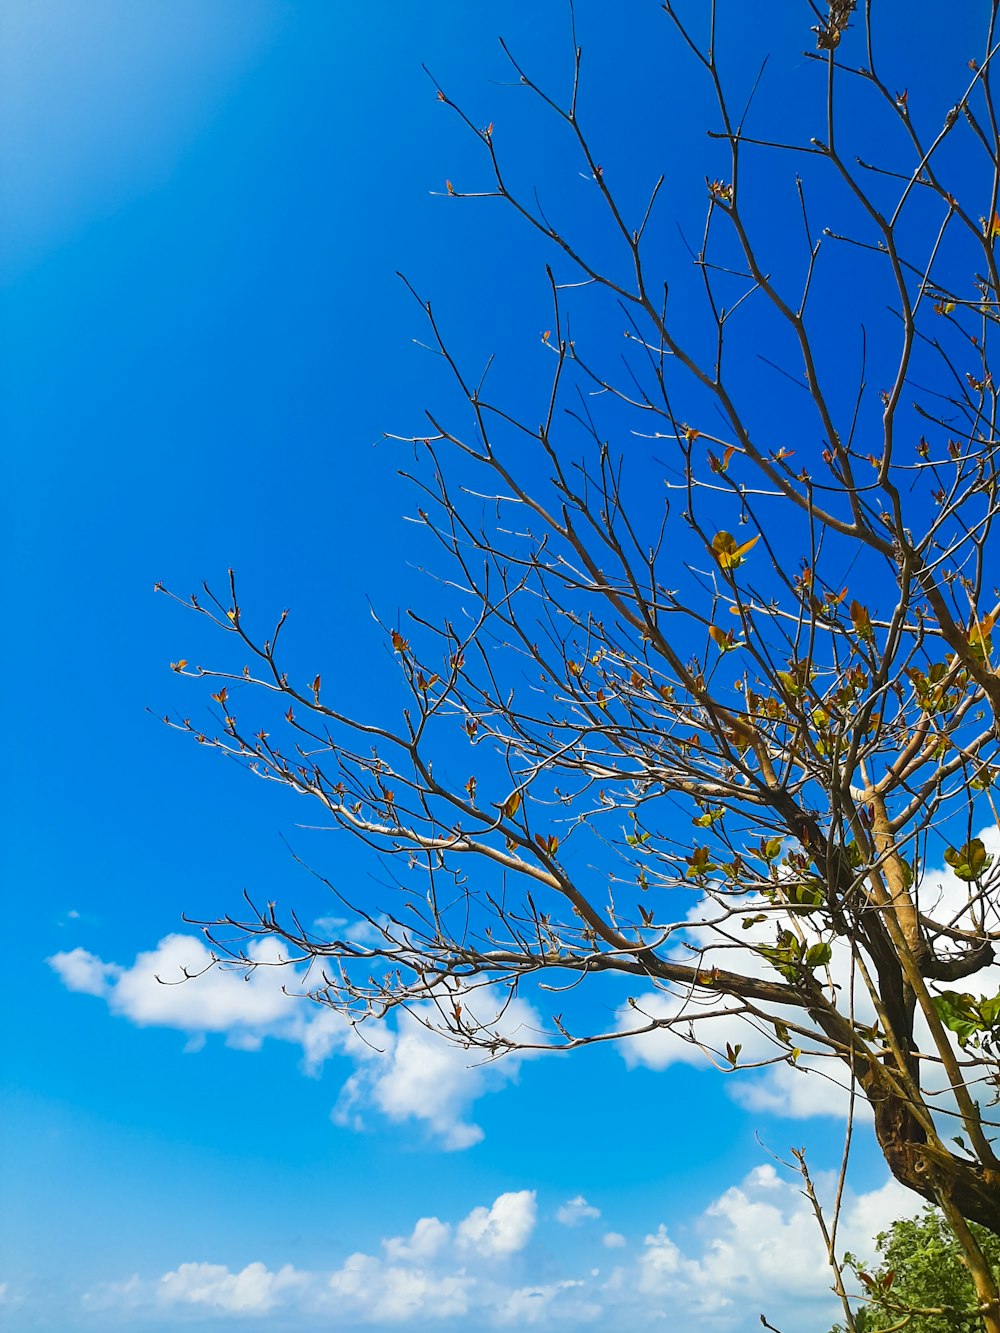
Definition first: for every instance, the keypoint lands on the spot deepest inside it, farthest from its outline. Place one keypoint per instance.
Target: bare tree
(717, 633)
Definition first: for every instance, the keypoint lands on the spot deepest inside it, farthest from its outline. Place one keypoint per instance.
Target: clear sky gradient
(205, 205)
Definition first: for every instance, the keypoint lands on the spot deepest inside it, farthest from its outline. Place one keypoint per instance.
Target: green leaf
(708, 818)
(970, 861)
(805, 896)
(818, 955)
(957, 1012)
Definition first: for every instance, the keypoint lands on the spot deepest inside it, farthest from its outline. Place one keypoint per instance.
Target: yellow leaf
(510, 806)
(861, 620)
(724, 640)
(727, 552)
(178, 666)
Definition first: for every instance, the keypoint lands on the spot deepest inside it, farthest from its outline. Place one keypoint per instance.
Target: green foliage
(973, 1020)
(970, 861)
(921, 1269)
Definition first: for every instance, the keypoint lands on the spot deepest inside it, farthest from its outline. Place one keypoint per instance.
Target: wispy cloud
(575, 1211)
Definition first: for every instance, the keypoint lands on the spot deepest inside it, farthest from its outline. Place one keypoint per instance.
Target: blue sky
(203, 341)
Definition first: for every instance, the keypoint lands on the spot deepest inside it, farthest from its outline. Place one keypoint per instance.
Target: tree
(717, 741)
(921, 1283)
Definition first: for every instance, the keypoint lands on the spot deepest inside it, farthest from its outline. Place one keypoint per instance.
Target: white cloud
(547, 1302)
(438, 1272)
(427, 1274)
(575, 1211)
(815, 1086)
(759, 1250)
(939, 891)
(427, 1240)
(415, 1076)
(868, 1214)
(799, 1091)
(153, 991)
(205, 1288)
(502, 1229)
(418, 1075)
(755, 1248)
(82, 971)
(253, 1291)
(384, 1293)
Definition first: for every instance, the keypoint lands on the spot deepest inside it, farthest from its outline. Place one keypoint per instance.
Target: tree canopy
(705, 700)
(921, 1282)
